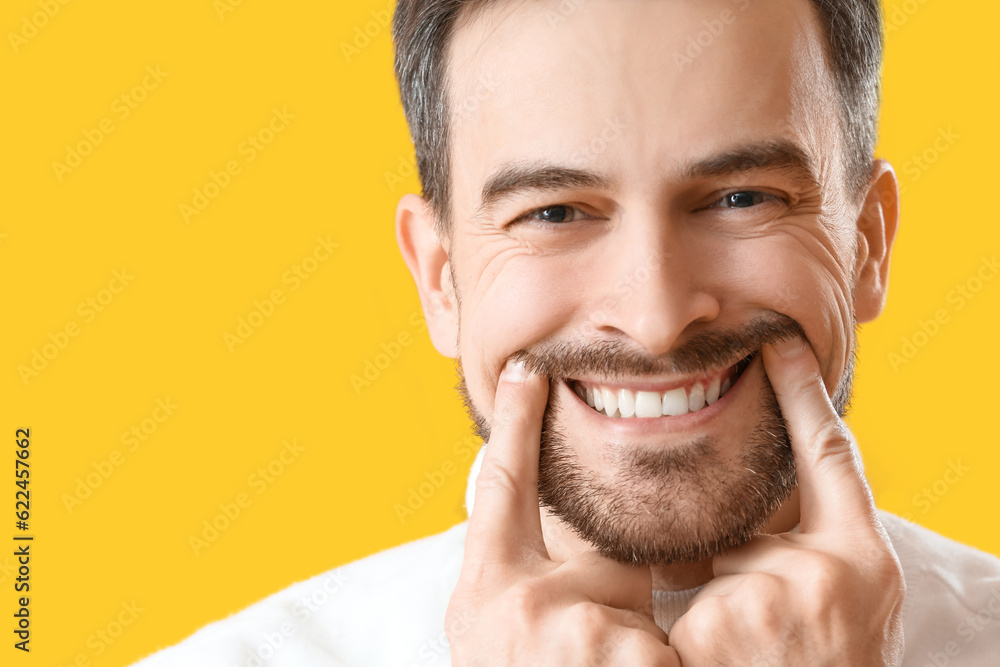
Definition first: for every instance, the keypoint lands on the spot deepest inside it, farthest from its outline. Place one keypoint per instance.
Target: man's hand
(829, 594)
(514, 604)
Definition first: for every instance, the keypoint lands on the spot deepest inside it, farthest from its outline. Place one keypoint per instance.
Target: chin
(685, 496)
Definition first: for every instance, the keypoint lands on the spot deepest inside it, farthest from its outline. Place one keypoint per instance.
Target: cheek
(516, 304)
(805, 283)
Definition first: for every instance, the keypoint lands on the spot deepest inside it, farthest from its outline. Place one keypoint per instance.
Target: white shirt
(388, 609)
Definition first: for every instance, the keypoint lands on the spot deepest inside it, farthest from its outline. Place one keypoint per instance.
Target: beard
(682, 501)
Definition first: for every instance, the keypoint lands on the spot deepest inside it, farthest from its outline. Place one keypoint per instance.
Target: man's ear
(428, 261)
(877, 226)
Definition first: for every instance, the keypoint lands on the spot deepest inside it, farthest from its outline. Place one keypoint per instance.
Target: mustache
(702, 353)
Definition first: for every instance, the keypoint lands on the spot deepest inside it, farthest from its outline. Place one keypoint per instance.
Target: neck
(562, 544)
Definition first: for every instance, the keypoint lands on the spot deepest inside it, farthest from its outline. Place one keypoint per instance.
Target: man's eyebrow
(517, 177)
(514, 178)
(772, 155)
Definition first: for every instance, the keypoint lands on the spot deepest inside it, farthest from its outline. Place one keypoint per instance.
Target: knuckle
(693, 631)
(636, 647)
(888, 576)
(886, 564)
(832, 445)
(760, 585)
(826, 574)
(892, 574)
(590, 619)
(523, 603)
(800, 383)
(833, 439)
(495, 478)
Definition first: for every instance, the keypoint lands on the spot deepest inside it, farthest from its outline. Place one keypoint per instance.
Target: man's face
(663, 195)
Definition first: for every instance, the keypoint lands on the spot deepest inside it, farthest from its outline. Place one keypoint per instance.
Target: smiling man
(682, 300)
(648, 231)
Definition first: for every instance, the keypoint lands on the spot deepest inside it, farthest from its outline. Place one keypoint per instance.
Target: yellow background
(334, 171)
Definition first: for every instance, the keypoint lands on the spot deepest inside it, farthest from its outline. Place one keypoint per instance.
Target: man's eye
(744, 199)
(555, 214)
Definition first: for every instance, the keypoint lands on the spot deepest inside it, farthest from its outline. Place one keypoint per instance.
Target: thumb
(832, 489)
(505, 520)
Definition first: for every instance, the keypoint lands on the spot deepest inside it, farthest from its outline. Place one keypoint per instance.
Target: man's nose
(655, 285)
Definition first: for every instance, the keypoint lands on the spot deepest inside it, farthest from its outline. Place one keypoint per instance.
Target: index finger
(832, 488)
(505, 523)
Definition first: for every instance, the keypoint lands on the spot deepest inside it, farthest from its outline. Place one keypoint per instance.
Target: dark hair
(422, 31)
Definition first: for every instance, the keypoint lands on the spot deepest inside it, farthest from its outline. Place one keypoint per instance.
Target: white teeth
(712, 394)
(623, 403)
(647, 404)
(626, 402)
(696, 401)
(675, 402)
(610, 402)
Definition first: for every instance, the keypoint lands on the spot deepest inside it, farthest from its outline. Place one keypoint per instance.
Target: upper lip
(660, 385)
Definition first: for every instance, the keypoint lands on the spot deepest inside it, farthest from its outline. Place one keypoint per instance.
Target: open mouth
(697, 394)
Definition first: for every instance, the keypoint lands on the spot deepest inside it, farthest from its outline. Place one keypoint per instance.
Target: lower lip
(637, 426)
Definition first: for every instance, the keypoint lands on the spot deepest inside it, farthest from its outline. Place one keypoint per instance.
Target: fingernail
(514, 371)
(790, 348)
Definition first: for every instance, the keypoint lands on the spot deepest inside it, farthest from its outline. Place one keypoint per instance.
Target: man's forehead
(682, 80)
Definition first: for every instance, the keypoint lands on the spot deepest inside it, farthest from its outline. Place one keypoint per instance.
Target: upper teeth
(680, 401)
